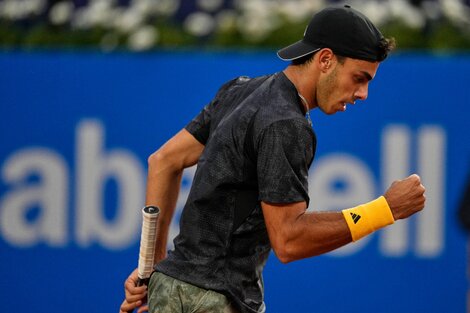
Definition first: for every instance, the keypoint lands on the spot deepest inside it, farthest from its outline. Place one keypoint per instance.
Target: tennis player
(253, 146)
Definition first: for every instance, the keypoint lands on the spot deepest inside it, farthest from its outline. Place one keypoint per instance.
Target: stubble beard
(325, 92)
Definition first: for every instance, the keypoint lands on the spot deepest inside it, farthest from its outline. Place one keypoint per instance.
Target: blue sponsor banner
(76, 130)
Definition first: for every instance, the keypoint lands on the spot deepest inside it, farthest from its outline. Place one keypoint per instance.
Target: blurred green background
(145, 25)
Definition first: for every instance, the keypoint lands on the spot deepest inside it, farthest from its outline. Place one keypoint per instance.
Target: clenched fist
(405, 197)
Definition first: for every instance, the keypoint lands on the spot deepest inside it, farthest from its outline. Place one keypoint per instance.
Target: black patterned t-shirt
(258, 147)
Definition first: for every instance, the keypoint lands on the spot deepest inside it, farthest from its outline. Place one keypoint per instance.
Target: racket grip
(147, 244)
(140, 282)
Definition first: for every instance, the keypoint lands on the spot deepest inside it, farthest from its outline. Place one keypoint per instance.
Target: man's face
(344, 84)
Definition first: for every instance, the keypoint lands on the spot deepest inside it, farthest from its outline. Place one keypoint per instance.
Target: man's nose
(362, 92)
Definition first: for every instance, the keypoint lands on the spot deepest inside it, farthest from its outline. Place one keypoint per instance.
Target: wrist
(367, 218)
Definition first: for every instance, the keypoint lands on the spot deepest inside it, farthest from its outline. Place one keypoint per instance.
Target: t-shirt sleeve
(285, 151)
(200, 125)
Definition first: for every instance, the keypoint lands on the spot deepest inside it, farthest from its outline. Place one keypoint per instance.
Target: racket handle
(140, 282)
(150, 215)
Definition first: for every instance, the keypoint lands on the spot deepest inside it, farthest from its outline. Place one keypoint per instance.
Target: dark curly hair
(386, 45)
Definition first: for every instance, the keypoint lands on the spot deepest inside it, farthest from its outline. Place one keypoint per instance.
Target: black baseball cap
(344, 30)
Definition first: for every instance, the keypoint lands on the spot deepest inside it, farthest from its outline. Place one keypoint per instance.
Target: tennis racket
(147, 244)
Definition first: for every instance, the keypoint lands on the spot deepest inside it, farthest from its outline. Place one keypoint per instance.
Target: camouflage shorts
(169, 295)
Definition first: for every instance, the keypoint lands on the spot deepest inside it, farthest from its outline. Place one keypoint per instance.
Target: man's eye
(359, 79)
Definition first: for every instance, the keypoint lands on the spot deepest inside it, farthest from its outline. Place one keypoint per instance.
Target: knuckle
(419, 189)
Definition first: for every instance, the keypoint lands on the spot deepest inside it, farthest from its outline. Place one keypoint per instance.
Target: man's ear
(326, 59)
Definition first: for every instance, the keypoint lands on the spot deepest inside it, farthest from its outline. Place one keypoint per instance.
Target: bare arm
(296, 234)
(165, 169)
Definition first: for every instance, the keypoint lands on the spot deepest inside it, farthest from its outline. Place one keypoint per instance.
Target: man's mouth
(344, 104)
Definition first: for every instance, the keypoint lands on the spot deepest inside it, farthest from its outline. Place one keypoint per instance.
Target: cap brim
(296, 50)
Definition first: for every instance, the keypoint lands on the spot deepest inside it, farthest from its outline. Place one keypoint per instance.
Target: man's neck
(304, 81)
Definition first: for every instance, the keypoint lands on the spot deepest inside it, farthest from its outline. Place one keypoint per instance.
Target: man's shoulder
(271, 99)
(244, 83)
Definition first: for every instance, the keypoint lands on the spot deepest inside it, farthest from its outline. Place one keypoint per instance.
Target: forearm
(297, 234)
(307, 234)
(315, 233)
(163, 185)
